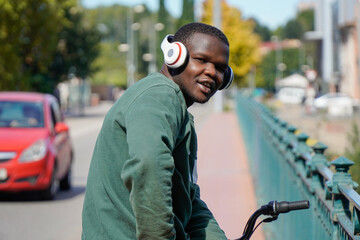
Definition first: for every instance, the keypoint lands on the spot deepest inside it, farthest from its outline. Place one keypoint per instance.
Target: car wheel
(50, 191)
(65, 183)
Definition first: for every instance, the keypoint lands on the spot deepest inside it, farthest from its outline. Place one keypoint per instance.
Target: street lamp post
(152, 46)
(218, 97)
(278, 56)
(132, 53)
(129, 36)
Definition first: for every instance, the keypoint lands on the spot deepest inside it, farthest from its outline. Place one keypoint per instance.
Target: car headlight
(35, 152)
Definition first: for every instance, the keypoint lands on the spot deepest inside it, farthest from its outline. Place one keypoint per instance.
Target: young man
(141, 182)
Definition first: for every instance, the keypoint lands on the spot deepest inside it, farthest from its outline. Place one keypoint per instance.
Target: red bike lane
(224, 176)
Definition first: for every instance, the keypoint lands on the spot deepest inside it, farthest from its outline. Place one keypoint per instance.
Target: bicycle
(272, 209)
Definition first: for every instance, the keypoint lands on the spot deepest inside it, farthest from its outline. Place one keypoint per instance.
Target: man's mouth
(209, 85)
(206, 84)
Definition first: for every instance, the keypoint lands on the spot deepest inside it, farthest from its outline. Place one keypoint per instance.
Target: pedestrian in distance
(142, 176)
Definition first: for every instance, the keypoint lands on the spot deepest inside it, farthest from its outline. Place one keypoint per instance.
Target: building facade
(337, 34)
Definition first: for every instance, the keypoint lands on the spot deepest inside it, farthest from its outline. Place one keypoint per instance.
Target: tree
(296, 27)
(110, 21)
(110, 64)
(290, 56)
(353, 152)
(244, 43)
(163, 17)
(293, 30)
(294, 58)
(263, 31)
(187, 15)
(114, 21)
(306, 19)
(28, 39)
(42, 42)
(77, 48)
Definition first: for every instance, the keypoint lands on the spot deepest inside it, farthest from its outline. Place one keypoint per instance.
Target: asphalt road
(24, 216)
(332, 131)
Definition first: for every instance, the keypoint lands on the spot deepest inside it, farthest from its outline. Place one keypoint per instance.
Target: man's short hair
(185, 32)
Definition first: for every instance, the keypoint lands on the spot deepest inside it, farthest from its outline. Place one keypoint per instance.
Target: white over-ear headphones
(174, 52)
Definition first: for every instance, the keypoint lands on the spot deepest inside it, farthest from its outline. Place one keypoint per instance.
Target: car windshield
(16, 114)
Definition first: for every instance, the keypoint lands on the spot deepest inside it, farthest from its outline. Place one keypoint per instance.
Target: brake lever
(270, 219)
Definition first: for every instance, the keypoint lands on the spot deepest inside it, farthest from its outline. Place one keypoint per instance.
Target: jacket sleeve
(202, 224)
(152, 125)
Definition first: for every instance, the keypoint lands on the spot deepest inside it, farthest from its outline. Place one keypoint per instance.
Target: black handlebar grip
(284, 207)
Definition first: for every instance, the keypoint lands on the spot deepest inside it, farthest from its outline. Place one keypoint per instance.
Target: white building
(337, 32)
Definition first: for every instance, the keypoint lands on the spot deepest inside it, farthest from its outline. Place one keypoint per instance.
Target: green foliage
(306, 19)
(293, 30)
(165, 18)
(28, 39)
(267, 68)
(77, 48)
(294, 58)
(33, 44)
(112, 64)
(110, 21)
(187, 15)
(296, 27)
(113, 22)
(353, 152)
(263, 31)
(268, 71)
(279, 31)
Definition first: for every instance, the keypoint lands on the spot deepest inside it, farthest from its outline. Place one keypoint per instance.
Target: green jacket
(140, 183)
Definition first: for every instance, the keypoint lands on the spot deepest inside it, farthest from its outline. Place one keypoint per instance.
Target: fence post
(302, 153)
(335, 205)
(275, 130)
(283, 137)
(311, 166)
(341, 177)
(291, 144)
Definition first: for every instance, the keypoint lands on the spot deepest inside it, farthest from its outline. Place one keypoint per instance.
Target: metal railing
(285, 168)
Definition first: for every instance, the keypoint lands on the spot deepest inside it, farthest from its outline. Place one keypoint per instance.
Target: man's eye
(200, 60)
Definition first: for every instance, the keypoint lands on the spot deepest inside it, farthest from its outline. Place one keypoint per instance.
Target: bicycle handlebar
(284, 207)
(272, 209)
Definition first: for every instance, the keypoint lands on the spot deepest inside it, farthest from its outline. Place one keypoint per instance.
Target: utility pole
(218, 97)
(130, 53)
(132, 42)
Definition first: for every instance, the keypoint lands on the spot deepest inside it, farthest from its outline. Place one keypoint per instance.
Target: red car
(35, 148)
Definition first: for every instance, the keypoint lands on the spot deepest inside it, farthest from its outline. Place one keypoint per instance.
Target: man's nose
(210, 70)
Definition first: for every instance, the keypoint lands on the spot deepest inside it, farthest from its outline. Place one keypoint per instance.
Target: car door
(61, 141)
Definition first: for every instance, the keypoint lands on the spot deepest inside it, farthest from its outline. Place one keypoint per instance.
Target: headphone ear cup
(175, 53)
(228, 78)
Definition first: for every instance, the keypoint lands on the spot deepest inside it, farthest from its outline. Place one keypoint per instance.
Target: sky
(271, 13)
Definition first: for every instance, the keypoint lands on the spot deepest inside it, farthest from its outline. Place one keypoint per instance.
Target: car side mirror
(61, 127)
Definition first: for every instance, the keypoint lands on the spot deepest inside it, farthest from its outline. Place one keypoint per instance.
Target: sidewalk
(224, 176)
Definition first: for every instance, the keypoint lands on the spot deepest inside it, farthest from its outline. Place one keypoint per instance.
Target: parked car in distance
(291, 95)
(36, 153)
(336, 104)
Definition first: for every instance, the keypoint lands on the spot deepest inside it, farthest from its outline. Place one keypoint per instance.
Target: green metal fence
(285, 168)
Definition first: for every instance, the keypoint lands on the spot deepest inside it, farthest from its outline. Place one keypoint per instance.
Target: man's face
(204, 72)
